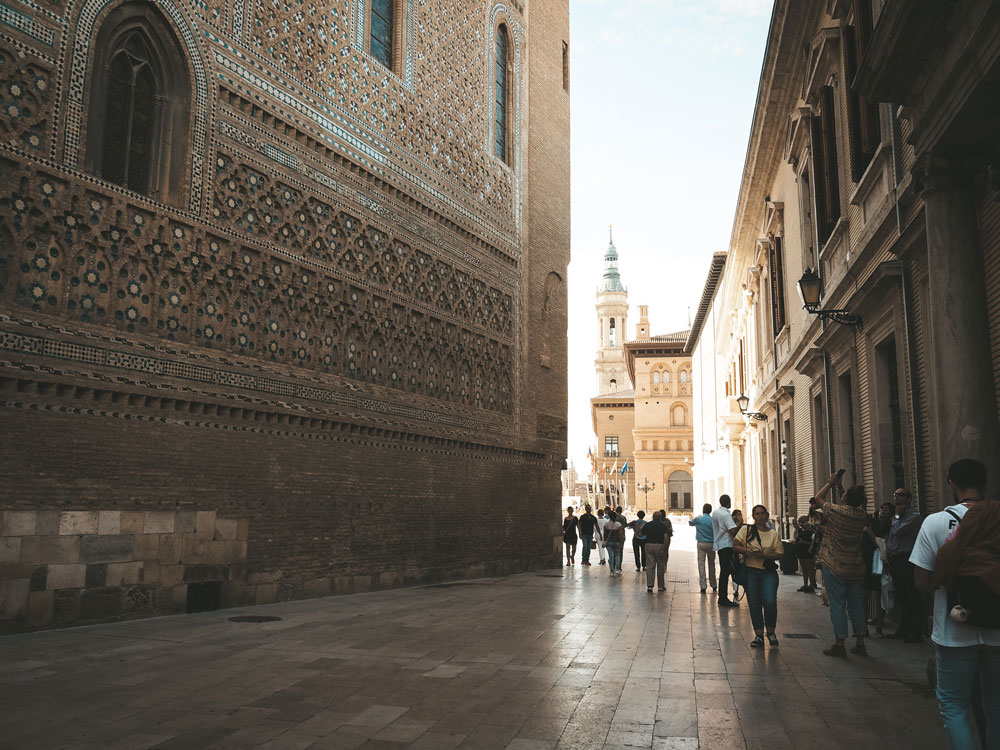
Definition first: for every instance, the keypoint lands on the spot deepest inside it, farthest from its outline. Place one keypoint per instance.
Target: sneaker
(772, 639)
(649, 589)
(602, 562)
(802, 588)
(663, 588)
(859, 649)
(715, 589)
(757, 642)
(727, 603)
(838, 651)
(703, 591)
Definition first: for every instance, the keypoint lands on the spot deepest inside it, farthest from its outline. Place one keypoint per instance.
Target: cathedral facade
(282, 298)
(642, 413)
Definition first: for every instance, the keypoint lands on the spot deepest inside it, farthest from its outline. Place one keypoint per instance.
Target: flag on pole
(625, 467)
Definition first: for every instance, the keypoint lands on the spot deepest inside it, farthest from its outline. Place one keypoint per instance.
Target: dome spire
(611, 281)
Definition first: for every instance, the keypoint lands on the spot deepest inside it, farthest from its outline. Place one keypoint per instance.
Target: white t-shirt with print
(932, 536)
(722, 522)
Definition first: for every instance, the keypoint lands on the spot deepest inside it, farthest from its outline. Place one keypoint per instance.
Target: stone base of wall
(74, 567)
(61, 568)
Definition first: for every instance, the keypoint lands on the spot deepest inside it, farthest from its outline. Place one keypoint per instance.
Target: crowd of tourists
(606, 532)
(863, 566)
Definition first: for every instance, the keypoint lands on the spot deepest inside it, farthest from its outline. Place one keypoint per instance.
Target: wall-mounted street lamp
(809, 290)
(744, 402)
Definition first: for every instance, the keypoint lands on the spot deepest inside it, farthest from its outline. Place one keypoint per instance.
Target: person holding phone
(843, 564)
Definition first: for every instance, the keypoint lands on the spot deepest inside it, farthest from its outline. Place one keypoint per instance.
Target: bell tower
(612, 314)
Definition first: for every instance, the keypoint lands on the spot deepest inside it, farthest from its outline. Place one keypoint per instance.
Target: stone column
(963, 399)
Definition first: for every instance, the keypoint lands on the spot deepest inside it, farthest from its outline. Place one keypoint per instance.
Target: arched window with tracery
(656, 377)
(501, 79)
(139, 106)
(684, 376)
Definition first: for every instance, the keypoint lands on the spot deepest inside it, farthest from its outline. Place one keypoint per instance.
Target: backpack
(971, 601)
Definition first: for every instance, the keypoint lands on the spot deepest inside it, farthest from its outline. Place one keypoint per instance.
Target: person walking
(602, 521)
(963, 539)
(761, 547)
(899, 546)
(570, 524)
(843, 565)
(706, 553)
(638, 540)
(658, 533)
(805, 555)
(875, 565)
(587, 526)
(723, 531)
(613, 532)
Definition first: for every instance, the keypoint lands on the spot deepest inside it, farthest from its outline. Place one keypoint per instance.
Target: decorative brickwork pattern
(378, 310)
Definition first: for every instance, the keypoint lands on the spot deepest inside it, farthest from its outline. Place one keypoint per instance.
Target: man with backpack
(967, 651)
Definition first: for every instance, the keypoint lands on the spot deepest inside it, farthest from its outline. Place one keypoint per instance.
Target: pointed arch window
(139, 105)
(130, 113)
(501, 94)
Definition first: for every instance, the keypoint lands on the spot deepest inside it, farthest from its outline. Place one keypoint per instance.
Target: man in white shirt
(602, 521)
(723, 530)
(964, 653)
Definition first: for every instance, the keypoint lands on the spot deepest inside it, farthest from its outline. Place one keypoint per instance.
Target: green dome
(612, 281)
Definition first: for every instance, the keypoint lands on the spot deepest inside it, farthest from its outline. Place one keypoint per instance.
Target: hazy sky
(662, 96)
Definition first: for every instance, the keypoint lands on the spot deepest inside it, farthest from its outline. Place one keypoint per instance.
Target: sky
(662, 94)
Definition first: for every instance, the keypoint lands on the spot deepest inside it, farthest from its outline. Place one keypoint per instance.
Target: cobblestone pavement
(556, 659)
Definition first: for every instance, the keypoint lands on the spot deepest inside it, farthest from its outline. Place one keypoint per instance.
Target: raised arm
(833, 481)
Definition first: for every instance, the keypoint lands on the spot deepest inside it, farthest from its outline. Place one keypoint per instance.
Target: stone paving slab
(565, 659)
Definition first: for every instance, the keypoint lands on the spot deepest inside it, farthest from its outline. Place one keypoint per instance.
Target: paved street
(556, 659)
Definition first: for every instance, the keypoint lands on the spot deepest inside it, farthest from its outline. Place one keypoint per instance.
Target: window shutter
(859, 159)
(777, 286)
(871, 134)
(818, 180)
(862, 114)
(829, 124)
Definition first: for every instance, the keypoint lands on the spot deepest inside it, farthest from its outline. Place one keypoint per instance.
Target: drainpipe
(829, 412)
(907, 294)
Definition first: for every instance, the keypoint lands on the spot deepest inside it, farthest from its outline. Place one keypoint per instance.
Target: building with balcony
(870, 172)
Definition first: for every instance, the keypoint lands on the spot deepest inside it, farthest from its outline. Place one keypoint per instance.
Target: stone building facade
(663, 433)
(872, 162)
(643, 457)
(282, 298)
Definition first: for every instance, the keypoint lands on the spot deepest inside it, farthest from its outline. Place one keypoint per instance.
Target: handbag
(738, 570)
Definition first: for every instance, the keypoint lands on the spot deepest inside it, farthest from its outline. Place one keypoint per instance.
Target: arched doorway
(679, 489)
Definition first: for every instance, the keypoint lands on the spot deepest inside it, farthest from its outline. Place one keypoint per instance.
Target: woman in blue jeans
(761, 548)
(612, 540)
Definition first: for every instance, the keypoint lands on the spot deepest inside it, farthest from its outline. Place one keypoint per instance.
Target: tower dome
(611, 281)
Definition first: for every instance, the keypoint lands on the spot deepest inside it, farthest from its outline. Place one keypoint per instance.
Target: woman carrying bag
(761, 548)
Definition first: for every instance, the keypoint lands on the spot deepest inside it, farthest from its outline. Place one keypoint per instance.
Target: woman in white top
(761, 547)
